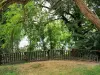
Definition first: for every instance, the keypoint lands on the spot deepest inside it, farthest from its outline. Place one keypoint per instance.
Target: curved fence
(49, 55)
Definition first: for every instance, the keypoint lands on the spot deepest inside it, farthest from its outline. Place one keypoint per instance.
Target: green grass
(87, 71)
(8, 70)
(51, 68)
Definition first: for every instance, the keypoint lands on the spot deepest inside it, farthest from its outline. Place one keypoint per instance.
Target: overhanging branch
(5, 3)
(88, 13)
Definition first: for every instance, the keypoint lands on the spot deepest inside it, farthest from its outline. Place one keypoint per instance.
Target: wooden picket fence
(48, 55)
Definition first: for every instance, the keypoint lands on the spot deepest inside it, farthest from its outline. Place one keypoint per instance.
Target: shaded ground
(52, 68)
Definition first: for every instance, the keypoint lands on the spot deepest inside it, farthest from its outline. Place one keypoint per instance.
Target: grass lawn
(52, 68)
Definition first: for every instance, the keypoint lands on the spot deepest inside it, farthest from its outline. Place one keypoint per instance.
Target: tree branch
(4, 4)
(88, 13)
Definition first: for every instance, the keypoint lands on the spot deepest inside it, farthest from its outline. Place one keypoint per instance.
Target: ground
(52, 68)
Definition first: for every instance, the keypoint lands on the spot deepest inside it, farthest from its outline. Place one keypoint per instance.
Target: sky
(24, 42)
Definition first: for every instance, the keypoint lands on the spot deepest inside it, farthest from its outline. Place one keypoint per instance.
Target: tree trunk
(88, 13)
(12, 40)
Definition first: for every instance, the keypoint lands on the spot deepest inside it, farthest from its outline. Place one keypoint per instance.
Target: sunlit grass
(52, 68)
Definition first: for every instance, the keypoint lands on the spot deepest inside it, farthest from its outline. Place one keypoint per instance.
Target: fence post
(0, 57)
(48, 53)
(25, 56)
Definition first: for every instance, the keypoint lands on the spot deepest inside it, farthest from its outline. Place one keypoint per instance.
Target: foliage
(48, 24)
(11, 26)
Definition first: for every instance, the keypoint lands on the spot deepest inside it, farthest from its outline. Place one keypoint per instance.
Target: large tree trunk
(88, 13)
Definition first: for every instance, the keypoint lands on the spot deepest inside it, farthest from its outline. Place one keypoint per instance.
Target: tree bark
(88, 13)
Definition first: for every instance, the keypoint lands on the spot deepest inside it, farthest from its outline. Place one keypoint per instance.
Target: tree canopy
(49, 24)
